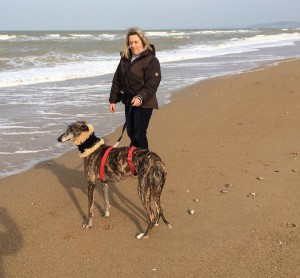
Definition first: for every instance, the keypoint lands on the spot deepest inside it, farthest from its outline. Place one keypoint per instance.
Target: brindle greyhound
(148, 167)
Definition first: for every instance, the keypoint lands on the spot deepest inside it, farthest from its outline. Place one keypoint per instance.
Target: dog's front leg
(106, 199)
(89, 222)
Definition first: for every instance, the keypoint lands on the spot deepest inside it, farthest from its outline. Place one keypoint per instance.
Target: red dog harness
(131, 166)
(103, 161)
(101, 175)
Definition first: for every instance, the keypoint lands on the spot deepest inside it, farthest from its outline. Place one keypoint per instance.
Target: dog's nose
(59, 138)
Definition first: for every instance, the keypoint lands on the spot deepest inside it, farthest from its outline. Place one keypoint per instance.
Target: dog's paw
(141, 236)
(87, 225)
(106, 214)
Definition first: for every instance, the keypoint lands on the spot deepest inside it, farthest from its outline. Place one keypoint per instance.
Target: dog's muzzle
(62, 138)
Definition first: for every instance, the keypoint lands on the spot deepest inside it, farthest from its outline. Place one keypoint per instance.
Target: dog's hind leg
(106, 199)
(146, 201)
(151, 223)
(89, 222)
(159, 210)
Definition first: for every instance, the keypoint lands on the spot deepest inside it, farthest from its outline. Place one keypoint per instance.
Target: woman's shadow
(74, 179)
(11, 239)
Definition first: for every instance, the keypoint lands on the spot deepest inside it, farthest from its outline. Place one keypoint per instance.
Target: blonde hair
(141, 35)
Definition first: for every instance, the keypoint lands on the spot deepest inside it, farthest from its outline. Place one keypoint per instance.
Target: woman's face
(135, 44)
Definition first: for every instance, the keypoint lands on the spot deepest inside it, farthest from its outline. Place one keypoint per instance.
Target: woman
(135, 84)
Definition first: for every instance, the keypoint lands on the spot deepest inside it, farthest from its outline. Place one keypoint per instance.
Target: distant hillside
(280, 24)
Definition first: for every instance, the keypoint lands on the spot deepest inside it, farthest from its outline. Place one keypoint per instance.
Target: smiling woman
(135, 45)
(135, 83)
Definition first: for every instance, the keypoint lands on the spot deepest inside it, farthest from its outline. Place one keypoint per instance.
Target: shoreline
(172, 93)
(232, 153)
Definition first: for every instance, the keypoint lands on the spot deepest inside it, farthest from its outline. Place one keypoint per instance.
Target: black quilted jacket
(138, 78)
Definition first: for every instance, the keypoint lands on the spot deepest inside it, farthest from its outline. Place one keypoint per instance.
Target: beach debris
(252, 194)
(260, 178)
(290, 225)
(67, 236)
(280, 242)
(196, 200)
(259, 206)
(108, 227)
(295, 170)
(154, 269)
(284, 114)
(276, 171)
(187, 191)
(191, 211)
(227, 185)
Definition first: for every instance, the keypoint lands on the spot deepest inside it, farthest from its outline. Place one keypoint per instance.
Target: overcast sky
(146, 14)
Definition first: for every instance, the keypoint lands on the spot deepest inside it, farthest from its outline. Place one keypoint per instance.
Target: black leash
(124, 127)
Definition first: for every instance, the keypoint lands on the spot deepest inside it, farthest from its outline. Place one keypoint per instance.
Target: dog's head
(76, 133)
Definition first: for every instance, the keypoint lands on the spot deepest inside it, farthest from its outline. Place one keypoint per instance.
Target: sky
(147, 14)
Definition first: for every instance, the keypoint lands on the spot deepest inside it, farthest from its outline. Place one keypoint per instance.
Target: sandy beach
(231, 146)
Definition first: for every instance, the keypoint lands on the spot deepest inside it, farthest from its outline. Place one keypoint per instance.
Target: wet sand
(231, 146)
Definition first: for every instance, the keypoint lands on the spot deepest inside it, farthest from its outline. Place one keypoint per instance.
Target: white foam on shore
(25, 152)
(47, 68)
(26, 133)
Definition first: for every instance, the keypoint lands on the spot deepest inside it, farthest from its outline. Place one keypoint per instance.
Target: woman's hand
(112, 107)
(136, 102)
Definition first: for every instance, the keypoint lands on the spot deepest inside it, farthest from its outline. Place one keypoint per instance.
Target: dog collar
(89, 142)
(90, 145)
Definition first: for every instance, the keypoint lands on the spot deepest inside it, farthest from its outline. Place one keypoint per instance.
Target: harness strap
(131, 166)
(101, 174)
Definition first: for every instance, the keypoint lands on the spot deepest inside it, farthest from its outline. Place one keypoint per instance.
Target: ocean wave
(68, 71)
(7, 37)
(44, 37)
(188, 33)
(58, 65)
(230, 46)
(25, 133)
(18, 127)
(25, 151)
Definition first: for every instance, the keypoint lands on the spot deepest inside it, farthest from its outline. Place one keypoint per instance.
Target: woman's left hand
(136, 102)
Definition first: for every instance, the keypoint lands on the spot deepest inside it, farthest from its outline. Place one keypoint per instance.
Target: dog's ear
(82, 125)
(85, 128)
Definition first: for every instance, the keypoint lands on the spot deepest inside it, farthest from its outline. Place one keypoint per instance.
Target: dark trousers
(137, 120)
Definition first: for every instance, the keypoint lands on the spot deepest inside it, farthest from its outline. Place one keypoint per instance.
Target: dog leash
(124, 127)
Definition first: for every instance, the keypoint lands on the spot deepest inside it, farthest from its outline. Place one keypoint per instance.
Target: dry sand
(241, 131)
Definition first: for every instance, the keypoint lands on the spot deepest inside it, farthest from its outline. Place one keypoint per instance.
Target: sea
(49, 79)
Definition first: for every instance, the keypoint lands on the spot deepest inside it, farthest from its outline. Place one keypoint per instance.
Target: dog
(117, 165)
